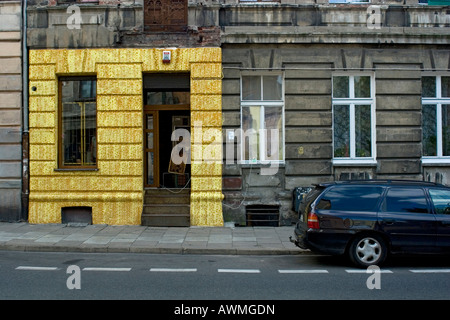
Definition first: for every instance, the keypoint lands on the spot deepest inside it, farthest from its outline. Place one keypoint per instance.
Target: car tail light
(313, 220)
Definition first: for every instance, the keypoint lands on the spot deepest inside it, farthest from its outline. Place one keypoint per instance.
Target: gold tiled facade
(115, 190)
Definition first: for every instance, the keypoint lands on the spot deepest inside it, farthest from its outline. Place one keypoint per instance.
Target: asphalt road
(86, 276)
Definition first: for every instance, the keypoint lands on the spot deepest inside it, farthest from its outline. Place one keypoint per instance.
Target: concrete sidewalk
(140, 239)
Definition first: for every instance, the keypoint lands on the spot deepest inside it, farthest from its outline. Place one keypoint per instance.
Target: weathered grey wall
(116, 26)
(308, 42)
(10, 110)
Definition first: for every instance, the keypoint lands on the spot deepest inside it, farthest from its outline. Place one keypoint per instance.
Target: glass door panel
(151, 149)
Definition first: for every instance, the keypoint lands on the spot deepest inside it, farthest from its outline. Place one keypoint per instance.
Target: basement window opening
(262, 215)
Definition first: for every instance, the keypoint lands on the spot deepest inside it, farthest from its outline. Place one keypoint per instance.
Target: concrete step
(165, 220)
(166, 199)
(166, 209)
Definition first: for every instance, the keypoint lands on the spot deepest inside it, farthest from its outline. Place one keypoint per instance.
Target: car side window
(350, 198)
(406, 200)
(441, 200)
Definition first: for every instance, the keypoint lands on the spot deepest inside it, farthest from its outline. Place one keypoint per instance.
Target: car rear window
(350, 198)
(407, 200)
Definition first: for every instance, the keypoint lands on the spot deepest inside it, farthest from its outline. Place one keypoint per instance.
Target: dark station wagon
(367, 220)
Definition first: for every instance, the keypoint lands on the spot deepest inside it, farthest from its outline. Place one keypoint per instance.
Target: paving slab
(23, 236)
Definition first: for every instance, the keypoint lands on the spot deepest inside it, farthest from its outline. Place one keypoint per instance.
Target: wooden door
(165, 15)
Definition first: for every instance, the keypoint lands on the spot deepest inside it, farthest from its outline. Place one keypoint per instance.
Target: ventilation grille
(262, 215)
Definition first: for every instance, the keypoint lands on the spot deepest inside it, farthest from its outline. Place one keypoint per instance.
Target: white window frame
(351, 101)
(262, 104)
(438, 101)
(349, 1)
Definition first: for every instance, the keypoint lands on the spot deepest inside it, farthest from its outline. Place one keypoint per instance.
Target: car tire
(367, 250)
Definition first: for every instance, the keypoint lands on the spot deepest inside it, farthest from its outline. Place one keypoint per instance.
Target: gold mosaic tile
(42, 104)
(119, 119)
(206, 102)
(42, 120)
(115, 191)
(119, 103)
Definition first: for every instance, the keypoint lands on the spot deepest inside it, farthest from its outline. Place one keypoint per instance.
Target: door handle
(389, 221)
(445, 223)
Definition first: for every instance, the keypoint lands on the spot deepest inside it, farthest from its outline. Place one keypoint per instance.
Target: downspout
(25, 132)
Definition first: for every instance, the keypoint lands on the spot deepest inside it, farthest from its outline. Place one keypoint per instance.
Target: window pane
(168, 97)
(90, 136)
(429, 87)
(71, 133)
(445, 87)
(363, 131)
(272, 87)
(406, 200)
(341, 124)
(429, 132)
(250, 136)
(251, 88)
(445, 130)
(362, 87)
(274, 127)
(441, 200)
(360, 198)
(150, 168)
(78, 122)
(341, 87)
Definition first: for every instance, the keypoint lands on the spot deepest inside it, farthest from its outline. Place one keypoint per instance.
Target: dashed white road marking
(173, 269)
(430, 270)
(239, 270)
(365, 271)
(33, 268)
(304, 271)
(105, 269)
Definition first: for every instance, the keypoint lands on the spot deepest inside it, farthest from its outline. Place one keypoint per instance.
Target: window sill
(248, 164)
(354, 162)
(436, 161)
(74, 169)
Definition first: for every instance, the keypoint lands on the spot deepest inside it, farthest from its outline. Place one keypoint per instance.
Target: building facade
(11, 117)
(109, 84)
(266, 97)
(345, 89)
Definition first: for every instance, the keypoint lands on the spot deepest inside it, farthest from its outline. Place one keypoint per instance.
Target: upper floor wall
(206, 23)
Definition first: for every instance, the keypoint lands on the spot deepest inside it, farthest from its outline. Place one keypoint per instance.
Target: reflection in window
(406, 200)
(262, 137)
(441, 200)
(167, 97)
(351, 198)
(78, 132)
(435, 116)
(353, 123)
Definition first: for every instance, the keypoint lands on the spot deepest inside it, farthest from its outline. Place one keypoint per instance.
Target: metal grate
(263, 215)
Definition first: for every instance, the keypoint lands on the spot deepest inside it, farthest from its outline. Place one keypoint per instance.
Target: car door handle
(389, 221)
(445, 223)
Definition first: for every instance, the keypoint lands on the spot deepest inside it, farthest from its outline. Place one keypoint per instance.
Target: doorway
(166, 108)
(159, 123)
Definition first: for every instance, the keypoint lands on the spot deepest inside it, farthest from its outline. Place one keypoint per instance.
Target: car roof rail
(381, 181)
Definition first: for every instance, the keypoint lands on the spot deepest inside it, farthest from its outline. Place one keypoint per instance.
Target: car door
(440, 199)
(406, 217)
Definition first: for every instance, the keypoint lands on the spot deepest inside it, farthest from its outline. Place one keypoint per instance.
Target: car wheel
(367, 250)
